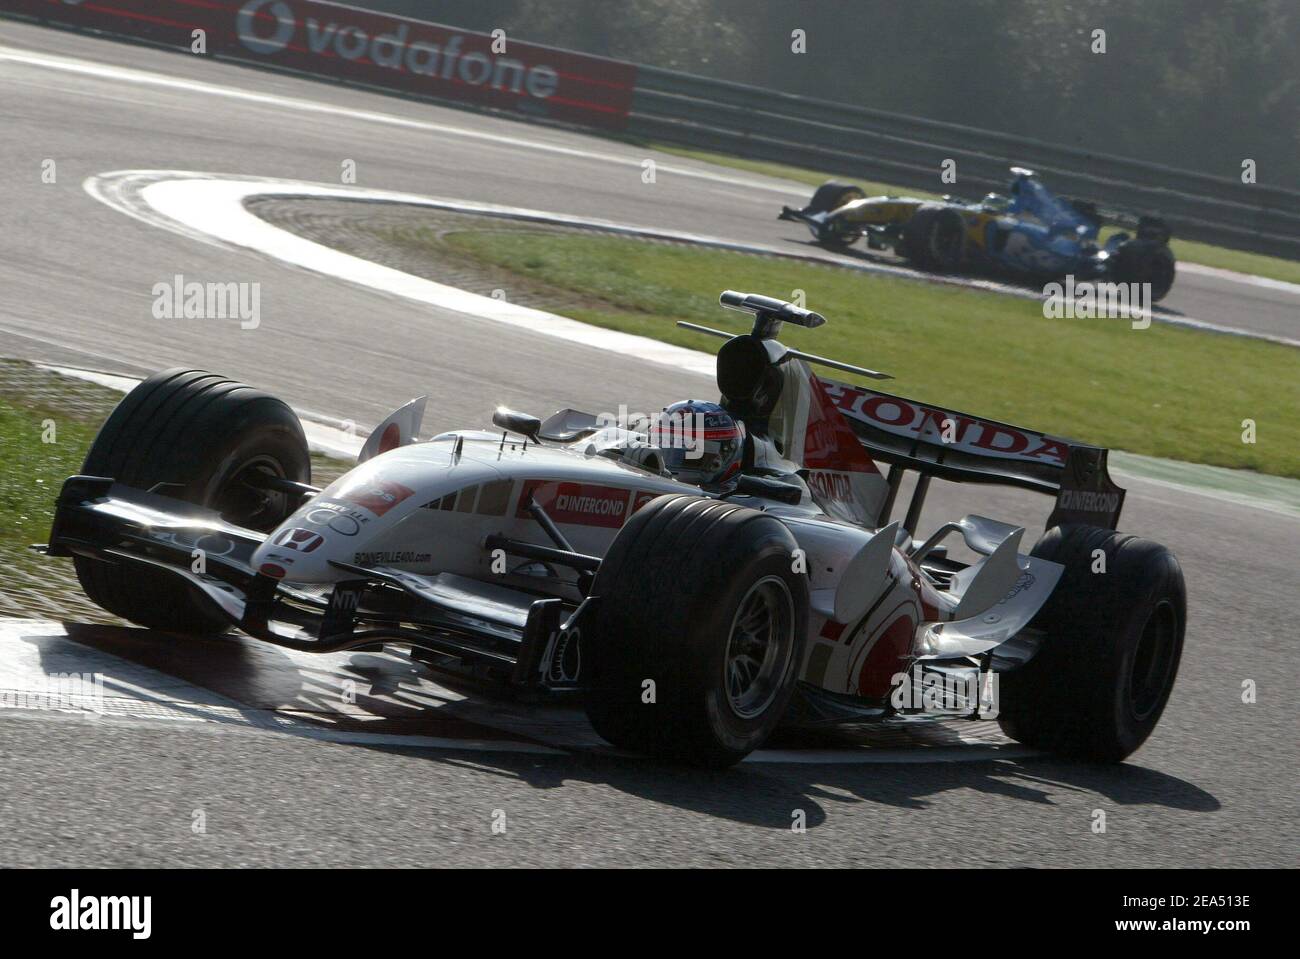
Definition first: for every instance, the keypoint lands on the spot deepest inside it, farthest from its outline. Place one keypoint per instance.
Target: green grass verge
(1187, 251)
(1164, 391)
(34, 470)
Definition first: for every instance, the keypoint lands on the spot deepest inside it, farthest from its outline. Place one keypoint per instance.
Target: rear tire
(1110, 654)
(1153, 228)
(699, 597)
(199, 433)
(1088, 210)
(934, 238)
(1145, 261)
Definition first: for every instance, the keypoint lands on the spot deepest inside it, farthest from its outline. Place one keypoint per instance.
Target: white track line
(192, 204)
(1232, 276)
(322, 436)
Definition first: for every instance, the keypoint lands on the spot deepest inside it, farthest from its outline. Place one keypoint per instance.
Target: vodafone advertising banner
(376, 49)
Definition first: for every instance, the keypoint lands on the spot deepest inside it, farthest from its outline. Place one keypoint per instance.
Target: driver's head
(702, 443)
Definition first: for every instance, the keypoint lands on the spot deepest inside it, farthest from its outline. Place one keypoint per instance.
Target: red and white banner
(374, 49)
(582, 504)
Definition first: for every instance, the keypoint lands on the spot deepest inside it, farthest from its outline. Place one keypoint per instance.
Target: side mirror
(648, 458)
(512, 421)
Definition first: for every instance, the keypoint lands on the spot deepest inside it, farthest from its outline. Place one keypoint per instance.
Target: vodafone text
(393, 50)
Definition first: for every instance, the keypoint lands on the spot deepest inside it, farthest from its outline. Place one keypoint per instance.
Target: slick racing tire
(831, 196)
(1153, 228)
(699, 632)
(200, 436)
(1110, 650)
(934, 238)
(1145, 261)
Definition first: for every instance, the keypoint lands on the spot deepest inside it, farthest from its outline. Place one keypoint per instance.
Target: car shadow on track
(854, 253)
(300, 694)
(233, 680)
(767, 794)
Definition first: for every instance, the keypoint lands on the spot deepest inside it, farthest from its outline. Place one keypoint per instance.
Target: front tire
(1111, 649)
(831, 196)
(700, 631)
(200, 435)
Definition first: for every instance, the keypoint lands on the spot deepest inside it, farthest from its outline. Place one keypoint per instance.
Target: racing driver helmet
(702, 443)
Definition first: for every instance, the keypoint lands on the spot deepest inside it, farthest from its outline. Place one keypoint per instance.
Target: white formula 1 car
(563, 558)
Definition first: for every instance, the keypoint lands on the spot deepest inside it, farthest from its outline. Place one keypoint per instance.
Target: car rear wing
(950, 445)
(932, 440)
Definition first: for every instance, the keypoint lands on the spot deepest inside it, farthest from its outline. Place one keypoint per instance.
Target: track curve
(1209, 788)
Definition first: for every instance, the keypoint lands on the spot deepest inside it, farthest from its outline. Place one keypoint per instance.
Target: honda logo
(301, 540)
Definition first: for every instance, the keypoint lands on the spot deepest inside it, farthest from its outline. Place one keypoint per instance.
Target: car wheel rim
(1153, 661)
(759, 647)
(241, 502)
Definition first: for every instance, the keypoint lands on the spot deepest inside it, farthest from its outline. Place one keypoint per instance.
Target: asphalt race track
(1212, 786)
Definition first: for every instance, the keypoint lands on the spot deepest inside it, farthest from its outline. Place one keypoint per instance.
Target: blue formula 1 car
(1030, 233)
